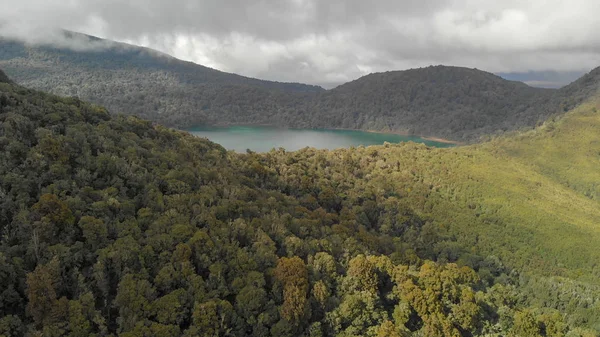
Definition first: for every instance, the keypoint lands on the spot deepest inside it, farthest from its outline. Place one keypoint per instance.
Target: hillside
(115, 225)
(3, 77)
(448, 102)
(585, 87)
(143, 82)
(455, 103)
(531, 199)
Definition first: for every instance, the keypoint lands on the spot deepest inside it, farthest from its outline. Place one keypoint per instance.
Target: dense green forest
(447, 102)
(113, 225)
(454, 103)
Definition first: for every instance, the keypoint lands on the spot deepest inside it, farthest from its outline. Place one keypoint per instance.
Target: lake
(263, 138)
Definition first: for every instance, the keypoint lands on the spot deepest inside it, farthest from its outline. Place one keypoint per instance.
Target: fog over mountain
(331, 42)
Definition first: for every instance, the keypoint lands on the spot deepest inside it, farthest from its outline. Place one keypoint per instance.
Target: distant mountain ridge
(543, 79)
(459, 104)
(449, 102)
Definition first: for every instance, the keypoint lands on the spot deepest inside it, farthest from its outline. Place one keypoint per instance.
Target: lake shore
(442, 140)
(399, 133)
(406, 134)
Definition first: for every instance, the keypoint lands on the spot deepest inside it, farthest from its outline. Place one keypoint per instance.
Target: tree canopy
(113, 225)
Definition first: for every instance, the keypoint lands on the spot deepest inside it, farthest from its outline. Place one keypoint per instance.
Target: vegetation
(117, 226)
(143, 82)
(4, 78)
(459, 104)
(447, 102)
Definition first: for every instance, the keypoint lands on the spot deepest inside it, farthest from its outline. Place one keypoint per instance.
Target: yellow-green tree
(293, 275)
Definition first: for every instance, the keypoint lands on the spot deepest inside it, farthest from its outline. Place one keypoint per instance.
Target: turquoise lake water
(263, 139)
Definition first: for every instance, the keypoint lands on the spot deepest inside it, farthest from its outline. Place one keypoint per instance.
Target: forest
(114, 225)
(454, 103)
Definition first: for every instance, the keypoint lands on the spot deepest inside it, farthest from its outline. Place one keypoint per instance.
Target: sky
(327, 42)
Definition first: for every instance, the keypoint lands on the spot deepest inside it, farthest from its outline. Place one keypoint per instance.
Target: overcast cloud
(332, 41)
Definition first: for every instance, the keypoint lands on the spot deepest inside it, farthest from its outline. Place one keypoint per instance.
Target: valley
(117, 225)
(455, 103)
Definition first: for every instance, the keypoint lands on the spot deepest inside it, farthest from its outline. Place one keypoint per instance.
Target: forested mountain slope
(531, 200)
(140, 81)
(4, 78)
(582, 89)
(455, 103)
(114, 225)
(448, 102)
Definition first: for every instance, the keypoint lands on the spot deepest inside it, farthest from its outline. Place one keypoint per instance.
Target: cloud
(54, 37)
(331, 41)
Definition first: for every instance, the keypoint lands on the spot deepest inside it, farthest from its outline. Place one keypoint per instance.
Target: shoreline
(442, 140)
(400, 133)
(405, 134)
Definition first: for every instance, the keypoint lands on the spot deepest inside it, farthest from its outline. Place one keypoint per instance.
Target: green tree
(134, 298)
(525, 324)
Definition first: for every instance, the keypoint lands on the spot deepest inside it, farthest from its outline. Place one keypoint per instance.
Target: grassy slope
(547, 181)
(531, 200)
(535, 194)
(544, 185)
(567, 151)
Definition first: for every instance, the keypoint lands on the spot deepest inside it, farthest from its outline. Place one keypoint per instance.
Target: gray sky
(332, 41)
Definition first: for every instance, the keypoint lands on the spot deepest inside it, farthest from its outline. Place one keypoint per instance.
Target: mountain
(140, 81)
(91, 53)
(116, 225)
(455, 103)
(446, 102)
(582, 89)
(3, 77)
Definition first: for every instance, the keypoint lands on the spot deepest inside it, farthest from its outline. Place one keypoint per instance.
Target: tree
(211, 318)
(388, 329)
(11, 326)
(321, 292)
(250, 303)
(41, 292)
(134, 297)
(55, 211)
(172, 309)
(54, 216)
(94, 231)
(525, 324)
(293, 275)
(439, 289)
(362, 275)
